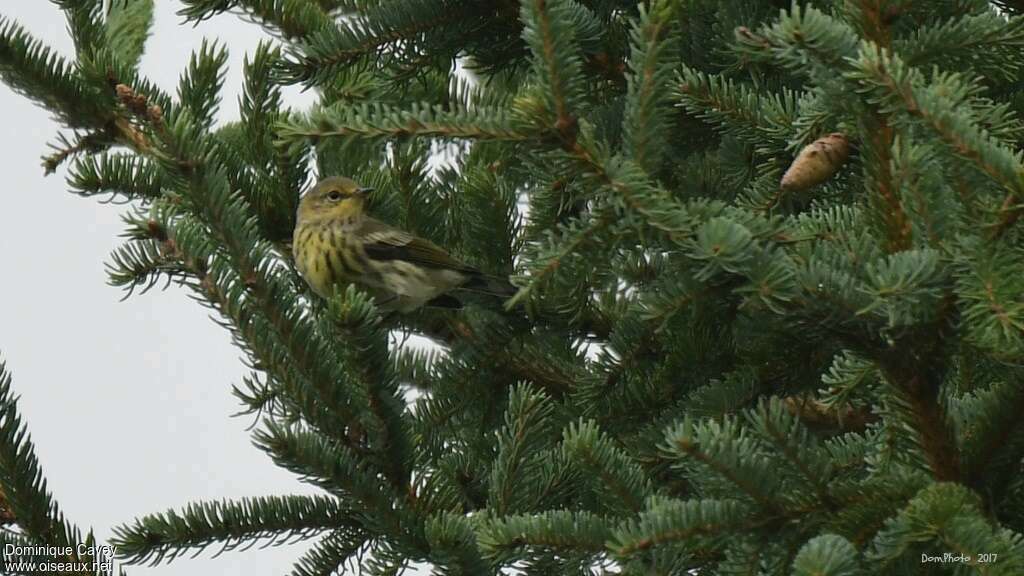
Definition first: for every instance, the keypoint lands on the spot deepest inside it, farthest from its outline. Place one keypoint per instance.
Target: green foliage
(199, 89)
(39, 73)
(700, 373)
(293, 19)
(229, 523)
(651, 65)
(949, 514)
(128, 24)
(827, 555)
(328, 49)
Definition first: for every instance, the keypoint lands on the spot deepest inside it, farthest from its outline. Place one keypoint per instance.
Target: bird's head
(333, 198)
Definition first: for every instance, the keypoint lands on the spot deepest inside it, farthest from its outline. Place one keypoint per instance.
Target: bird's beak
(364, 191)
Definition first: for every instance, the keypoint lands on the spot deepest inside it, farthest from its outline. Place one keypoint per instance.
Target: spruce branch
(104, 70)
(126, 176)
(340, 471)
(199, 88)
(25, 499)
(140, 264)
(619, 479)
(948, 517)
(626, 181)
(333, 551)
(990, 298)
(671, 285)
(261, 395)
(199, 10)
(827, 555)
(184, 244)
(786, 434)
(453, 544)
(356, 320)
(89, 143)
(383, 121)
(738, 110)
(260, 102)
(510, 537)
(249, 255)
(647, 113)
(34, 70)
(548, 30)
(874, 19)
(294, 20)
(328, 50)
(281, 174)
(489, 345)
(982, 44)
(276, 519)
(634, 338)
(528, 419)
(989, 451)
(804, 40)
(873, 23)
(128, 25)
(533, 361)
(898, 87)
(816, 414)
(738, 461)
(628, 345)
(557, 250)
(315, 387)
(877, 151)
(85, 24)
(917, 388)
(699, 525)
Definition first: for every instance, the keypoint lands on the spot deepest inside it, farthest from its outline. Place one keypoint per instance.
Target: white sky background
(128, 403)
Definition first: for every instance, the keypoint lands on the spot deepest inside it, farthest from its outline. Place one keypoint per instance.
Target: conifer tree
(770, 315)
(35, 536)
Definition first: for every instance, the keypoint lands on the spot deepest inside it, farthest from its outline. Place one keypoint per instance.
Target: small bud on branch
(817, 162)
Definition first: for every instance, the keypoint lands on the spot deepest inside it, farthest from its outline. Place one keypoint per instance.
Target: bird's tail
(492, 285)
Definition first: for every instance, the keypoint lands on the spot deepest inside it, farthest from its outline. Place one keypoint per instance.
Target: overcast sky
(128, 403)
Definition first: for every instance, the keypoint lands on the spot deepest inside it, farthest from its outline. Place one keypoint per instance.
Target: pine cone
(817, 162)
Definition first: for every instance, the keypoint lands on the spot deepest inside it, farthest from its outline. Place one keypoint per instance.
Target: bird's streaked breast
(333, 253)
(326, 255)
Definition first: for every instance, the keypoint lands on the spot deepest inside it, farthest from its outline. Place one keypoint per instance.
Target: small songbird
(336, 244)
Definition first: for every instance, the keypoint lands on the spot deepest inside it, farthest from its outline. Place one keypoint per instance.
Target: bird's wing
(384, 242)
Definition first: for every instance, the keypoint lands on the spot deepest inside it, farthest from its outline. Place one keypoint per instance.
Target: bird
(336, 243)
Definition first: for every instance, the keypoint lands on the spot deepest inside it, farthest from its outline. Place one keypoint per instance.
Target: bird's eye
(334, 195)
